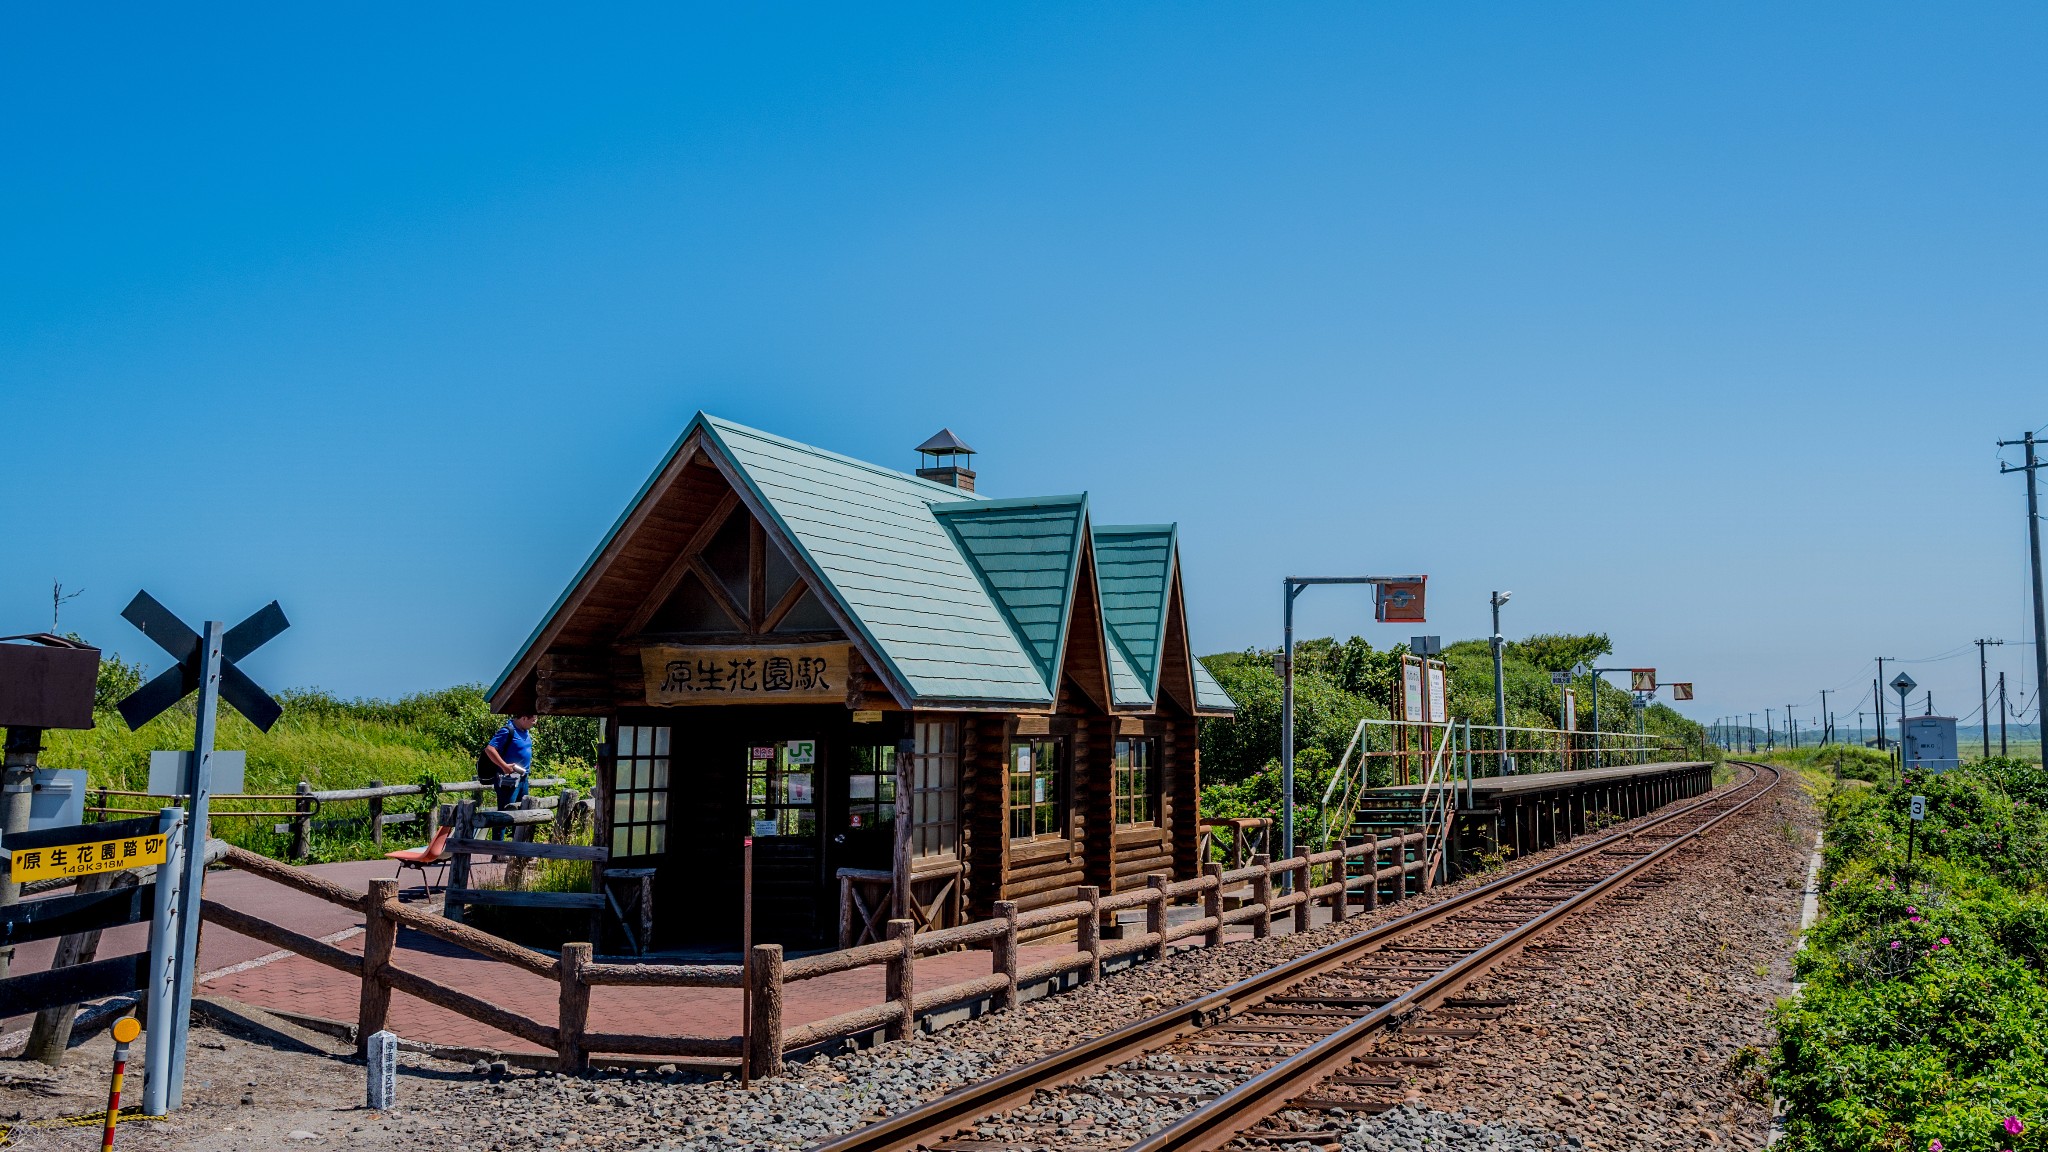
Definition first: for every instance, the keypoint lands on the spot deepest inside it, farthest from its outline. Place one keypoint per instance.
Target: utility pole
(1984, 694)
(2002, 709)
(1859, 727)
(1878, 692)
(1770, 731)
(1791, 732)
(1500, 688)
(1827, 720)
(2032, 465)
(1751, 730)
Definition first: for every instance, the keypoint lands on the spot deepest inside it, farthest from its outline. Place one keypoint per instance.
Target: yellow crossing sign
(85, 859)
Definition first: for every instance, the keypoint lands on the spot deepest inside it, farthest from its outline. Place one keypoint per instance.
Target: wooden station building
(863, 668)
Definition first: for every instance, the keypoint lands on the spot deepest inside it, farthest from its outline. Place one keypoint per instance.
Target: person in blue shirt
(510, 753)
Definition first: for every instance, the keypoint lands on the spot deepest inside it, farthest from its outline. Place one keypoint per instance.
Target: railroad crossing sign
(206, 663)
(181, 679)
(1903, 684)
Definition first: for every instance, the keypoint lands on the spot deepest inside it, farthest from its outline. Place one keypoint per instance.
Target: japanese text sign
(803, 673)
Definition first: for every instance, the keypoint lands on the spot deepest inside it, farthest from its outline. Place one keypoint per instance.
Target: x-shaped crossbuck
(175, 637)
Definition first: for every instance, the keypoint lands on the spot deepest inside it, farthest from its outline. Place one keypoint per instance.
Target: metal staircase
(1361, 811)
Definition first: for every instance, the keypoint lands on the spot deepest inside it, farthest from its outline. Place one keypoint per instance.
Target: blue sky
(1690, 323)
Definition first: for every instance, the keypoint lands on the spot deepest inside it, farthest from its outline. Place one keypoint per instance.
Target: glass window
(639, 821)
(782, 793)
(1038, 802)
(871, 788)
(1137, 782)
(935, 789)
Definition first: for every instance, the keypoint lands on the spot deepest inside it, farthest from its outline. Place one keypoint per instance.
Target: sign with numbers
(85, 849)
(796, 674)
(1919, 807)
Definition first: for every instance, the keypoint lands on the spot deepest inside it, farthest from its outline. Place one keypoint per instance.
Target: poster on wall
(796, 788)
(802, 751)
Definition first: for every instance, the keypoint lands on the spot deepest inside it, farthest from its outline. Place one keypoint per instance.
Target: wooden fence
(303, 815)
(1353, 877)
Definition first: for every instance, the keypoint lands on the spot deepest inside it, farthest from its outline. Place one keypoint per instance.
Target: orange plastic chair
(425, 858)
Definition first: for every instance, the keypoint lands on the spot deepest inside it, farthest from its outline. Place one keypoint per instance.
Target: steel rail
(1223, 1119)
(959, 1108)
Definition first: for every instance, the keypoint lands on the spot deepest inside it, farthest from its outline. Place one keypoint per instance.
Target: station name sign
(796, 674)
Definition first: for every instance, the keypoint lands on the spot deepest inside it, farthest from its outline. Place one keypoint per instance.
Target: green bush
(1924, 1016)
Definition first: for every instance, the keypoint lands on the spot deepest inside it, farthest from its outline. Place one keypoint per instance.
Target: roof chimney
(944, 459)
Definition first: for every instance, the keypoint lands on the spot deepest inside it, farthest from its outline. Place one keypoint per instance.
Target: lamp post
(1293, 586)
(1500, 691)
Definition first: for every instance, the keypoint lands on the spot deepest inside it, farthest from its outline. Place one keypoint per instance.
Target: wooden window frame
(936, 758)
(1060, 815)
(1125, 802)
(622, 825)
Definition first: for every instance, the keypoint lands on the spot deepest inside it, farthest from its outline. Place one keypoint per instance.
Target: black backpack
(486, 772)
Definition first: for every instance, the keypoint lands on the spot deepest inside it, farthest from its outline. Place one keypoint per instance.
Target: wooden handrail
(290, 877)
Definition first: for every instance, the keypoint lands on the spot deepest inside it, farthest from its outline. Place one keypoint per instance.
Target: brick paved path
(239, 968)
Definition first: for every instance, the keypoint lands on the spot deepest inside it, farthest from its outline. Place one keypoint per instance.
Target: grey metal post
(1500, 690)
(1599, 753)
(17, 795)
(161, 993)
(2031, 467)
(198, 789)
(1287, 722)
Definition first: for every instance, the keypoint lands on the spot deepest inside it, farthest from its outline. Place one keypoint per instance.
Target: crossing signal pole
(2031, 467)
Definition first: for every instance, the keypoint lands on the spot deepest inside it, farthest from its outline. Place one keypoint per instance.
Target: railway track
(1288, 1056)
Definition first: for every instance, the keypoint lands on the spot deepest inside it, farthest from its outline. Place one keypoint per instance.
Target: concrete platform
(1532, 811)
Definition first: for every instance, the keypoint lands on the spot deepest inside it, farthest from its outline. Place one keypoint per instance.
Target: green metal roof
(1210, 698)
(1133, 570)
(873, 535)
(962, 598)
(1027, 553)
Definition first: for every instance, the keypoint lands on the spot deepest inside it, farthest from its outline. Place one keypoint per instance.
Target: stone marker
(383, 1067)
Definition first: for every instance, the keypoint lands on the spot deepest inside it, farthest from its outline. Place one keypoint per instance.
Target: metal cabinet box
(47, 687)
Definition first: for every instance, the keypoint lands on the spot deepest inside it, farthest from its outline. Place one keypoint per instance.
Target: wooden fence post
(1262, 895)
(1005, 959)
(1340, 901)
(1155, 913)
(1302, 873)
(846, 928)
(380, 932)
(377, 817)
(574, 1011)
(765, 1057)
(463, 828)
(565, 801)
(1088, 933)
(302, 824)
(1212, 901)
(1372, 873)
(902, 979)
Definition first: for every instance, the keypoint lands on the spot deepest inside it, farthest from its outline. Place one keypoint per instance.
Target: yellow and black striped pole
(126, 1029)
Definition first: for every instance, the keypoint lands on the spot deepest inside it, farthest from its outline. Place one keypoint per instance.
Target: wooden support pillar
(764, 1056)
(1088, 932)
(1212, 902)
(1340, 903)
(1372, 873)
(1262, 895)
(573, 1011)
(901, 979)
(377, 817)
(1302, 874)
(1155, 912)
(302, 823)
(1004, 962)
(380, 933)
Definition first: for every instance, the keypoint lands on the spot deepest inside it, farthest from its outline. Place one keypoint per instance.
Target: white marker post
(383, 1068)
